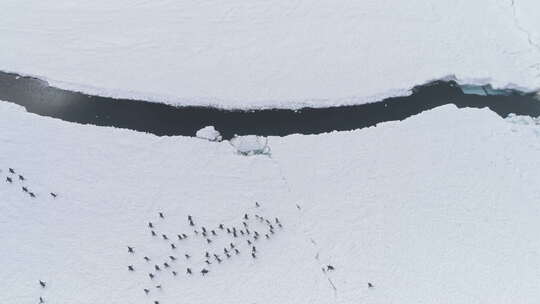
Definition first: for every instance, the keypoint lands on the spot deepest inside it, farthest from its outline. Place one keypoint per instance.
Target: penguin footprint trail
(197, 248)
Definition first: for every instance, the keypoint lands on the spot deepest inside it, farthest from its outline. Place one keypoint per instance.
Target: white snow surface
(260, 54)
(440, 208)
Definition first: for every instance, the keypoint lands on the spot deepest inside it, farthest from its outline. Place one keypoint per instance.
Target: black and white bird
(42, 283)
(130, 268)
(130, 249)
(161, 215)
(54, 195)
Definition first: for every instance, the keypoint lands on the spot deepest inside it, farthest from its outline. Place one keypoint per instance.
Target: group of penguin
(246, 234)
(12, 177)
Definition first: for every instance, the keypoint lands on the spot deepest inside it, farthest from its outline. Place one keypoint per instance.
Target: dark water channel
(160, 119)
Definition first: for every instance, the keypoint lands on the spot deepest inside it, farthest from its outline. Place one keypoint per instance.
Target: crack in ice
(530, 40)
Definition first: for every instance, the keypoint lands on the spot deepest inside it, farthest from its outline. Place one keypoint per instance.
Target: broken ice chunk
(250, 145)
(209, 133)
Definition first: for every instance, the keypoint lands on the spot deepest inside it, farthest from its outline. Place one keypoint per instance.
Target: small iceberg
(209, 133)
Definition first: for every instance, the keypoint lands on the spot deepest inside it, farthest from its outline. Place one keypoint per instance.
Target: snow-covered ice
(238, 54)
(440, 208)
(209, 133)
(250, 145)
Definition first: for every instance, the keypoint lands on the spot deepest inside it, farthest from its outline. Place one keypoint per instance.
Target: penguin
(43, 284)
(130, 249)
(161, 215)
(147, 259)
(130, 268)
